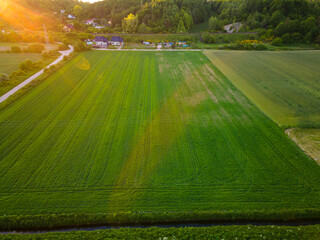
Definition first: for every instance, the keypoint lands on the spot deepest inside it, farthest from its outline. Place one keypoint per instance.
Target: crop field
(148, 132)
(284, 85)
(10, 61)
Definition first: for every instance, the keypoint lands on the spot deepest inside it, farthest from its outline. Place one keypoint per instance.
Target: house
(101, 41)
(116, 41)
(70, 16)
(92, 22)
(68, 28)
(89, 22)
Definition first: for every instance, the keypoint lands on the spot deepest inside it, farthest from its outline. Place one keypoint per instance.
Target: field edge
(78, 220)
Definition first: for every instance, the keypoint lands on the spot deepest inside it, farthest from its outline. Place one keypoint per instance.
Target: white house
(70, 16)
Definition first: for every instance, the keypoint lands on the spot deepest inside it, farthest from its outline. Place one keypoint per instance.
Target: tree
(3, 77)
(276, 18)
(286, 38)
(143, 28)
(77, 10)
(35, 48)
(187, 20)
(281, 29)
(215, 24)
(77, 25)
(130, 23)
(277, 42)
(181, 28)
(16, 49)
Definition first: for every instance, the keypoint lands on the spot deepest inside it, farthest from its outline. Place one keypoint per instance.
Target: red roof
(69, 26)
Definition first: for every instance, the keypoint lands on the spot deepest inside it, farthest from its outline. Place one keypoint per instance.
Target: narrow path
(30, 79)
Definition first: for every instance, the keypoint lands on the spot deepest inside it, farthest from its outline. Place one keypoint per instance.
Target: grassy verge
(78, 220)
(156, 233)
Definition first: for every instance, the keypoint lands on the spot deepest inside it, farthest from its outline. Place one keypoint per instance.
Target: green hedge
(215, 232)
(56, 221)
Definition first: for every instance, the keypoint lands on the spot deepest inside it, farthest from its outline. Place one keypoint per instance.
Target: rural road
(148, 50)
(30, 79)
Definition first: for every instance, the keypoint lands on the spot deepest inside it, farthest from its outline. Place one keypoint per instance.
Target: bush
(277, 42)
(46, 54)
(286, 38)
(261, 47)
(27, 65)
(35, 48)
(297, 37)
(16, 49)
(63, 47)
(80, 47)
(3, 77)
(49, 54)
(207, 38)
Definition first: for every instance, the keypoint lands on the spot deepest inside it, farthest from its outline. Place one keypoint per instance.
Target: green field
(7, 45)
(147, 132)
(10, 61)
(284, 85)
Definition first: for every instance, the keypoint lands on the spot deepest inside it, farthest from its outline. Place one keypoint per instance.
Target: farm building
(116, 41)
(101, 41)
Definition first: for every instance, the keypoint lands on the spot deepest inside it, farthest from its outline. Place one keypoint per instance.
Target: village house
(68, 28)
(92, 22)
(101, 41)
(116, 41)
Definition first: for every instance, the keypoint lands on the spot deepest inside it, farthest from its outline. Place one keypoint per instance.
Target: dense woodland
(281, 21)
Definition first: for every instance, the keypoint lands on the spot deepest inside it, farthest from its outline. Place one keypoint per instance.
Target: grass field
(285, 85)
(146, 131)
(10, 61)
(7, 45)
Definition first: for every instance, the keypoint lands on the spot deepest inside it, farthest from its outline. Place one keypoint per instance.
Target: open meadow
(4, 46)
(10, 61)
(152, 132)
(284, 85)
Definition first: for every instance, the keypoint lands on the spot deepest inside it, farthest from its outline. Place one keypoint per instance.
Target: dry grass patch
(308, 140)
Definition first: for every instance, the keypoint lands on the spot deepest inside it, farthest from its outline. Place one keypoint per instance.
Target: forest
(281, 21)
